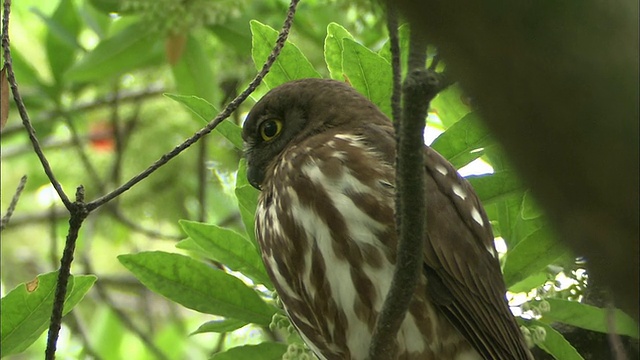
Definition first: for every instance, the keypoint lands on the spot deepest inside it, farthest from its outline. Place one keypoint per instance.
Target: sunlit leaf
(220, 326)
(529, 283)
(531, 255)
(588, 317)
(198, 286)
(448, 105)
(464, 141)
(495, 187)
(369, 73)
(262, 351)
(333, 49)
(26, 310)
(229, 248)
(290, 65)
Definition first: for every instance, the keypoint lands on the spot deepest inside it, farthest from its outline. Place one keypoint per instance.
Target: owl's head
(294, 111)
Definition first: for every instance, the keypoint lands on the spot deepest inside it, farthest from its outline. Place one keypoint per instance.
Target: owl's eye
(270, 129)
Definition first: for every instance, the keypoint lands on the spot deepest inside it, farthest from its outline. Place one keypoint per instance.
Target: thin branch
(14, 203)
(22, 110)
(122, 97)
(203, 173)
(419, 89)
(392, 28)
(232, 106)
(118, 215)
(78, 214)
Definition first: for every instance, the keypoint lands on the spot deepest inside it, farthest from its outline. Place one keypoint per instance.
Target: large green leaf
(198, 286)
(495, 187)
(588, 317)
(290, 65)
(26, 310)
(555, 344)
(464, 141)
(369, 73)
(333, 48)
(61, 42)
(192, 73)
(531, 255)
(262, 351)
(205, 111)
(229, 248)
(531, 282)
(448, 105)
(132, 47)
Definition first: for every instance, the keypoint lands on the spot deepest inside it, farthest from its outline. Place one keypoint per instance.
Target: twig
(124, 96)
(115, 212)
(232, 106)
(419, 88)
(14, 203)
(78, 214)
(392, 27)
(22, 110)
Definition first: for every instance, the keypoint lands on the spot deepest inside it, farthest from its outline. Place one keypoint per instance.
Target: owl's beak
(255, 177)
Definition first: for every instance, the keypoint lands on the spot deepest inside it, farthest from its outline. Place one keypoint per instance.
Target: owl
(323, 158)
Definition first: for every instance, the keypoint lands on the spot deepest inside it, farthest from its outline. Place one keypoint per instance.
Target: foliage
(86, 53)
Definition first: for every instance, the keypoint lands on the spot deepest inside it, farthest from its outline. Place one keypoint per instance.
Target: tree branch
(14, 203)
(22, 110)
(418, 90)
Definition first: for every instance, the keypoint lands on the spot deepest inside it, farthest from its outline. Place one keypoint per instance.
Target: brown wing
(461, 265)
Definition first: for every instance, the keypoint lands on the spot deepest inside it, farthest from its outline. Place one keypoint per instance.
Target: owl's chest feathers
(331, 242)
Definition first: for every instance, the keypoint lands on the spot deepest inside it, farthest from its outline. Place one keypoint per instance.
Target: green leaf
(230, 248)
(464, 141)
(193, 74)
(290, 65)
(236, 39)
(555, 344)
(530, 208)
(26, 310)
(333, 49)
(369, 73)
(588, 317)
(247, 197)
(448, 105)
(198, 286)
(61, 40)
(262, 351)
(220, 326)
(495, 187)
(205, 111)
(531, 255)
(133, 47)
(529, 283)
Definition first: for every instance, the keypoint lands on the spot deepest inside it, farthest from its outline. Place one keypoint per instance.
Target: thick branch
(410, 203)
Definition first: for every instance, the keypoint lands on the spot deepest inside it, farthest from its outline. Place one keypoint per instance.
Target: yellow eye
(270, 129)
